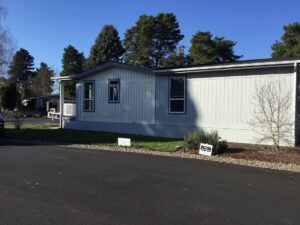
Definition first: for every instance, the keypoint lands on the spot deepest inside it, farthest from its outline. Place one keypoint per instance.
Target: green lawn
(43, 132)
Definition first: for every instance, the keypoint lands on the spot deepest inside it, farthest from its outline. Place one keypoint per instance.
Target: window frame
(113, 85)
(172, 99)
(93, 99)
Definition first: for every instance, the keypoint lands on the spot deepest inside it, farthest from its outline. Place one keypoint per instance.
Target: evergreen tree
(9, 96)
(289, 46)
(107, 47)
(152, 40)
(138, 42)
(206, 49)
(177, 58)
(21, 71)
(42, 84)
(2, 81)
(72, 63)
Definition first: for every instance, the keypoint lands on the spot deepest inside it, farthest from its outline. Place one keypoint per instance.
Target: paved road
(43, 185)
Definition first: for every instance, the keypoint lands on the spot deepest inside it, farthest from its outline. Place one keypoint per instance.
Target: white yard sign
(205, 149)
(124, 142)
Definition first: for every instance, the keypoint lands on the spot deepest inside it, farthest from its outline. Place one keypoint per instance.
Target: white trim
(295, 100)
(64, 78)
(226, 67)
(61, 103)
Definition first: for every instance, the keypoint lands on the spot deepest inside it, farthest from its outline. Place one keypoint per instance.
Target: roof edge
(228, 66)
(103, 67)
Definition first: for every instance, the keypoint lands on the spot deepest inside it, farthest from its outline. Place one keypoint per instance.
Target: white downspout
(61, 103)
(296, 102)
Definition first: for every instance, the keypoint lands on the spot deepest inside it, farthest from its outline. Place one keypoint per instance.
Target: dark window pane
(177, 88)
(89, 105)
(88, 90)
(111, 91)
(176, 105)
(114, 82)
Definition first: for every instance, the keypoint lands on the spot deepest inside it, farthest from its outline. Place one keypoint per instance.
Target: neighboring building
(170, 102)
(42, 104)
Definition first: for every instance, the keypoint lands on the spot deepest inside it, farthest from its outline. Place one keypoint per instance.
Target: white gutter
(228, 67)
(296, 102)
(66, 78)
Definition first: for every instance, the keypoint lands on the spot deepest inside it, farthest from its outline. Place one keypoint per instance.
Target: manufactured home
(170, 102)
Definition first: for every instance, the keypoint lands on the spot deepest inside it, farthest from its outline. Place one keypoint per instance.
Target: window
(89, 96)
(177, 95)
(114, 91)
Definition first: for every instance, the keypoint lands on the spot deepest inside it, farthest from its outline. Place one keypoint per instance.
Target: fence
(69, 109)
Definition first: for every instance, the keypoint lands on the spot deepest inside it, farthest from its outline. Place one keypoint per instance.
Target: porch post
(61, 102)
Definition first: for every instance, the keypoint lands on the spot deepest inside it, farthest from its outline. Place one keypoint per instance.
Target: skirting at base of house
(170, 131)
(160, 130)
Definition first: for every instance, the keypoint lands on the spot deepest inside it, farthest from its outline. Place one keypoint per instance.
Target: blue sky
(46, 27)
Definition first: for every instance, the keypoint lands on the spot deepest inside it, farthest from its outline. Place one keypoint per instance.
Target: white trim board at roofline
(231, 66)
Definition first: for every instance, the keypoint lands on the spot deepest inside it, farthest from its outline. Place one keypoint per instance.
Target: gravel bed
(217, 158)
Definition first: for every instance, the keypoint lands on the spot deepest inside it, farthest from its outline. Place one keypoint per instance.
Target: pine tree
(177, 58)
(202, 48)
(9, 96)
(289, 46)
(208, 49)
(107, 47)
(138, 42)
(152, 40)
(73, 63)
(21, 71)
(42, 84)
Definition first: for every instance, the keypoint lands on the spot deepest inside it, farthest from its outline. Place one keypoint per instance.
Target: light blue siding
(219, 101)
(137, 98)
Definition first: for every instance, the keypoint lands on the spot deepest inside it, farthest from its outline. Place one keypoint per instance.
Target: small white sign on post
(205, 149)
(124, 142)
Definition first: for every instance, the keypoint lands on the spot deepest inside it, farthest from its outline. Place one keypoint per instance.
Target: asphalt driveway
(57, 185)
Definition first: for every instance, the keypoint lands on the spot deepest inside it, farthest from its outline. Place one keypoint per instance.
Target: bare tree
(19, 118)
(6, 44)
(272, 116)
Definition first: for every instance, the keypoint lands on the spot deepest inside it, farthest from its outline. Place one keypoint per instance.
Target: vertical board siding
(137, 98)
(221, 101)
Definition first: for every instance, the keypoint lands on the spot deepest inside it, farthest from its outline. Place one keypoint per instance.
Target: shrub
(194, 138)
(9, 97)
(18, 119)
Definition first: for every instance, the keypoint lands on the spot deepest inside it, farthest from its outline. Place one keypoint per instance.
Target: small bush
(18, 119)
(194, 138)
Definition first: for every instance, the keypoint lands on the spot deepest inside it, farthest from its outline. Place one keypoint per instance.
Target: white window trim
(184, 95)
(89, 99)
